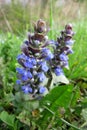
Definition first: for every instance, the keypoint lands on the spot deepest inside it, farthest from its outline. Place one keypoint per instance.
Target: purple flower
(24, 72)
(54, 43)
(21, 56)
(41, 57)
(58, 71)
(33, 61)
(26, 42)
(29, 74)
(63, 57)
(44, 66)
(65, 64)
(41, 76)
(30, 62)
(20, 70)
(26, 89)
(70, 51)
(47, 54)
(26, 75)
(42, 89)
(69, 42)
(18, 82)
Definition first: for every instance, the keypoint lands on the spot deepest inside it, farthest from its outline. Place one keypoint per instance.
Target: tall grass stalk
(51, 19)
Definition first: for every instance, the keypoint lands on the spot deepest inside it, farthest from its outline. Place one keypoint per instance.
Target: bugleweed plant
(49, 101)
(41, 69)
(43, 60)
(42, 97)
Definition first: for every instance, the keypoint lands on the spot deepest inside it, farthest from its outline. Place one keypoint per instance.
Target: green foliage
(8, 119)
(78, 64)
(9, 48)
(65, 106)
(53, 101)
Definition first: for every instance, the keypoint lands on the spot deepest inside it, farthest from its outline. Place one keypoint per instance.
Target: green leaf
(9, 97)
(84, 114)
(24, 117)
(24, 101)
(7, 118)
(31, 105)
(58, 97)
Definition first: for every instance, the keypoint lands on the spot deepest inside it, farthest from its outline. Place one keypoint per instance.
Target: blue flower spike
(40, 58)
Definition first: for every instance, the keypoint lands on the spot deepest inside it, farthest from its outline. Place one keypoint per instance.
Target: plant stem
(62, 119)
(49, 110)
(51, 19)
(70, 124)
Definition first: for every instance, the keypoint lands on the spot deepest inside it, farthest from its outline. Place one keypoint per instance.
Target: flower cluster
(41, 57)
(62, 47)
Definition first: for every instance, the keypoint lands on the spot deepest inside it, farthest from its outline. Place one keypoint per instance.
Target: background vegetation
(66, 105)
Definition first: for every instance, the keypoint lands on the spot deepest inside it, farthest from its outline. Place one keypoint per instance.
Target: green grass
(65, 105)
(78, 60)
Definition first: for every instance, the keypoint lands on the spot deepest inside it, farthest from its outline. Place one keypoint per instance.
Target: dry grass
(16, 17)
